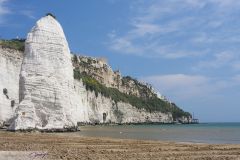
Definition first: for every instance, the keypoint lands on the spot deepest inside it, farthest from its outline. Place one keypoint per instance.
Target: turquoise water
(213, 133)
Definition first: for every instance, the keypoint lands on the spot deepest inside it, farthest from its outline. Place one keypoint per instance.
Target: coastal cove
(209, 133)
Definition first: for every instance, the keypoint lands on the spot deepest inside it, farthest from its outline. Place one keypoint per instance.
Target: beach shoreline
(73, 146)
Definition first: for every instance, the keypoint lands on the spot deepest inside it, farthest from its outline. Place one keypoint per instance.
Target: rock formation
(46, 80)
(99, 69)
(100, 109)
(121, 99)
(10, 64)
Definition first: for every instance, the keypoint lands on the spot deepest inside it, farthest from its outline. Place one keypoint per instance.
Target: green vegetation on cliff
(150, 104)
(17, 44)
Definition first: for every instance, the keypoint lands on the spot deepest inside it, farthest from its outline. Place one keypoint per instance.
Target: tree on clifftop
(50, 14)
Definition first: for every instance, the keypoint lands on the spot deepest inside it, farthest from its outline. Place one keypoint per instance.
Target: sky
(187, 49)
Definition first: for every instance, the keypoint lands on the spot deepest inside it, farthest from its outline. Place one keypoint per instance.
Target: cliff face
(46, 96)
(10, 64)
(98, 76)
(100, 109)
(99, 69)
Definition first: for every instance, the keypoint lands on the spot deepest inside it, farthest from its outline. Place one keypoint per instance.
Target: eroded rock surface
(100, 109)
(10, 64)
(46, 80)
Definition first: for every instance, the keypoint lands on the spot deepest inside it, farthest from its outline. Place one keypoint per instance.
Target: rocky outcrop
(99, 69)
(46, 80)
(10, 64)
(100, 109)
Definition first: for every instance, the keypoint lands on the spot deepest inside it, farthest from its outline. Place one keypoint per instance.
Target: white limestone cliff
(100, 109)
(46, 80)
(10, 64)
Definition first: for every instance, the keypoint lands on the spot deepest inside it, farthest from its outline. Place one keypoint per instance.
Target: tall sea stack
(46, 80)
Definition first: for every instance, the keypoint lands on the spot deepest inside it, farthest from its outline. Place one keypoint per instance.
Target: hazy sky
(187, 49)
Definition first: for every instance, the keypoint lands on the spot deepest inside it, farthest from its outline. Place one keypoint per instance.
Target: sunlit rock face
(10, 64)
(46, 81)
(99, 109)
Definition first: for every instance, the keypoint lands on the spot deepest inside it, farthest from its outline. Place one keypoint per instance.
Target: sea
(210, 133)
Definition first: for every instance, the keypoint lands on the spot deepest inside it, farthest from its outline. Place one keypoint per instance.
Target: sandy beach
(70, 146)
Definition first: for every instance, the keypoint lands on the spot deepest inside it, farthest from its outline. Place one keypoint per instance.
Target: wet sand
(71, 146)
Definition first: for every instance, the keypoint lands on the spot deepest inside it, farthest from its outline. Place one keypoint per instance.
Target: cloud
(28, 13)
(236, 65)
(180, 85)
(236, 78)
(4, 10)
(226, 5)
(220, 60)
(226, 60)
(178, 28)
(188, 87)
(142, 29)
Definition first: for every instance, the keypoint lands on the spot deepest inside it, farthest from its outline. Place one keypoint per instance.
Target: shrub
(75, 59)
(50, 14)
(17, 44)
(5, 91)
(119, 115)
